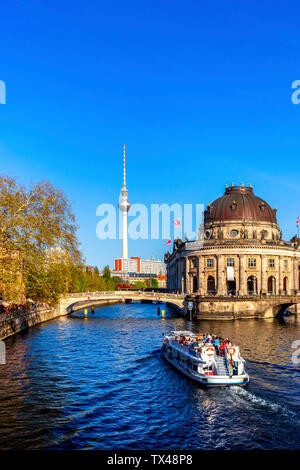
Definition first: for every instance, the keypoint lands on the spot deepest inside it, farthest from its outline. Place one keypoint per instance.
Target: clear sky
(200, 92)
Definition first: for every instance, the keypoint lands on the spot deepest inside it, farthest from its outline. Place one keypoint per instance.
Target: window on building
(271, 263)
(252, 262)
(211, 285)
(230, 261)
(285, 264)
(194, 263)
(234, 233)
(210, 263)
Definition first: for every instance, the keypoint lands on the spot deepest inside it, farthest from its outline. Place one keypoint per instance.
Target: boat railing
(186, 349)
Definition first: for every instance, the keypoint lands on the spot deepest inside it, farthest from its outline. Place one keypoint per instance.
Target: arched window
(231, 287)
(285, 284)
(195, 284)
(211, 285)
(252, 285)
(271, 285)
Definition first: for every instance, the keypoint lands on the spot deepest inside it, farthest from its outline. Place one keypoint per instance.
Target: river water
(101, 383)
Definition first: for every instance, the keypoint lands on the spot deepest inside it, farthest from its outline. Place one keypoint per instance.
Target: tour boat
(202, 361)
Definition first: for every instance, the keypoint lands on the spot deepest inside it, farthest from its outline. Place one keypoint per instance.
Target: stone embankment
(12, 323)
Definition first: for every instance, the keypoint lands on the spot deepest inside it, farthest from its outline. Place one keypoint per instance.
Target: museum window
(211, 285)
(210, 263)
(272, 285)
(285, 264)
(230, 261)
(252, 285)
(194, 263)
(252, 262)
(271, 263)
(234, 233)
(285, 284)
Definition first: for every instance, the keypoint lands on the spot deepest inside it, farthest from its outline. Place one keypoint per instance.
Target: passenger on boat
(217, 344)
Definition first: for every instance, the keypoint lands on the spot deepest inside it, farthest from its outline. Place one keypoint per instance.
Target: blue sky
(200, 92)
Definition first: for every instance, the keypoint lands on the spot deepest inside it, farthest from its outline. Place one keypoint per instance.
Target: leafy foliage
(39, 249)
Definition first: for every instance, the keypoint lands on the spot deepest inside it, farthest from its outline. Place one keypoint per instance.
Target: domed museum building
(240, 254)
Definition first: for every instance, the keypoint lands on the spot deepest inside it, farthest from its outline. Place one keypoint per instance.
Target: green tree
(154, 283)
(140, 284)
(106, 273)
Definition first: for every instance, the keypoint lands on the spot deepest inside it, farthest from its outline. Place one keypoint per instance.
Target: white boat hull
(209, 380)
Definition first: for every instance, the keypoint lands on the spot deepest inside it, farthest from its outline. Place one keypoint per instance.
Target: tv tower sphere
(124, 204)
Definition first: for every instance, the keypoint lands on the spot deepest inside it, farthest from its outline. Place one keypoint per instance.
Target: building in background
(136, 269)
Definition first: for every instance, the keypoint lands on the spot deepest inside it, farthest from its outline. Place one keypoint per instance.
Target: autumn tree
(37, 240)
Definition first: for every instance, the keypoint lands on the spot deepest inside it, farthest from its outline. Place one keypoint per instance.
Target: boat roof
(184, 332)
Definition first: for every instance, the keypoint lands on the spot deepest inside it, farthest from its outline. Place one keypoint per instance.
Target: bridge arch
(77, 301)
(277, 309)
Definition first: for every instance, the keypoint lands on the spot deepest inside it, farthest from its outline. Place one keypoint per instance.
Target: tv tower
(124, 206)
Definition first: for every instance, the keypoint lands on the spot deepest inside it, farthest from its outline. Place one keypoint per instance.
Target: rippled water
(101, 383)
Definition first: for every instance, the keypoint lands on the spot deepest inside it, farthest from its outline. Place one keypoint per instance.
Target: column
(264, 280)
(296, 275)
(242, 275)
(201, 286)
(258, 277)
(187, 284)
(280, 276)
(220, 275)
(274, 285)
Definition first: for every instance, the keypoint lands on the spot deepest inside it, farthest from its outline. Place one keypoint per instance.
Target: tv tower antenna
(124, 206)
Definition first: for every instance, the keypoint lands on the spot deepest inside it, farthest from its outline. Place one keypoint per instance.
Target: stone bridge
(74, 302)
(234, 307)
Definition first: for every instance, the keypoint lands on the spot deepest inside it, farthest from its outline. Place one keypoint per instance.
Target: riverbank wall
(13, 323)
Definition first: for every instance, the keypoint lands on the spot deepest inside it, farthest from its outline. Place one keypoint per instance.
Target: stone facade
(237, 258)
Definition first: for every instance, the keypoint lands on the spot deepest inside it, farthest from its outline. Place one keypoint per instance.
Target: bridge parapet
(78, 301)
(232, 307)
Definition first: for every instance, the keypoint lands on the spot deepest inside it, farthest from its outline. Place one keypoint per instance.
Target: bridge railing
(125, 293)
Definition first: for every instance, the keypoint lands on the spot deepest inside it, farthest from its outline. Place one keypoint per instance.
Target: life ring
(210, 354)
(232, 351)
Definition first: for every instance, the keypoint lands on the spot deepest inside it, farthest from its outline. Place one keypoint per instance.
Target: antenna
(124, 172)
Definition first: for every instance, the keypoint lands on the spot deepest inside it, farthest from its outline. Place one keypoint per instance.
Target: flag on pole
(177, 222)
(168, 242)
(298, 222)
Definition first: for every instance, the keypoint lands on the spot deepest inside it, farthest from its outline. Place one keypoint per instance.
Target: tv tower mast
(124, 206)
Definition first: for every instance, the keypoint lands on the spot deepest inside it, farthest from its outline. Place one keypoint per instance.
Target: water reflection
(101, 383)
